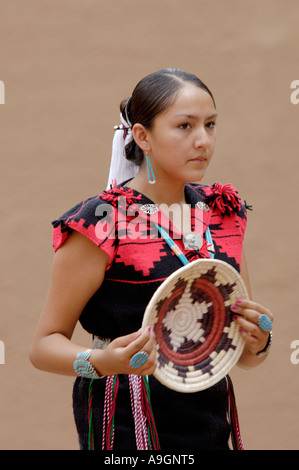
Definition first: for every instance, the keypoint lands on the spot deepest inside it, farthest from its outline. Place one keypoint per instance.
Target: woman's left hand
(247, 316)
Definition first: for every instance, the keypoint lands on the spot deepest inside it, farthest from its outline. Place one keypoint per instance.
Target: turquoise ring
(265, 323)
(138, 359)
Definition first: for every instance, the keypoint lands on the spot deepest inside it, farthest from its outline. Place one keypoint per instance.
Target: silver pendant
(149, 208)
(203, 206)
(192, 241)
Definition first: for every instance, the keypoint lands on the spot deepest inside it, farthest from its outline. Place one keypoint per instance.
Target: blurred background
(66, 65)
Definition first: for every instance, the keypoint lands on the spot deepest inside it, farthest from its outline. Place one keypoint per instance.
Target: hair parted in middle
(151, 96)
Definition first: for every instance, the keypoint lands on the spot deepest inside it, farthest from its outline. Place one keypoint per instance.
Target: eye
(211, 124)
(184, 126)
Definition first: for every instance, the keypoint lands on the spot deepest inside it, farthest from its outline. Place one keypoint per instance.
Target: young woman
(104, 275)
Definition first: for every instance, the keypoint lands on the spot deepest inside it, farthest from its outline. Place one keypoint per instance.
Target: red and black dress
(119, 221)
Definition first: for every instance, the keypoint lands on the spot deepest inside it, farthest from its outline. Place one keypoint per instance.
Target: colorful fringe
(233, 415)
(145, 429)
(112, 383)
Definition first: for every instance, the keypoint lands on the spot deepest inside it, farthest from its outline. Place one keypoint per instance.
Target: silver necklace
(191, 240)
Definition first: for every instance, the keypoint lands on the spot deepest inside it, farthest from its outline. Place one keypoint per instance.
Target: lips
(199, 159)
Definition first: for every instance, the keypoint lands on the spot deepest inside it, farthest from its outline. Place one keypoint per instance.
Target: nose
(202, 138)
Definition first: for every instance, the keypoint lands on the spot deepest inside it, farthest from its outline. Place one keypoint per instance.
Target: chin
(196, 178)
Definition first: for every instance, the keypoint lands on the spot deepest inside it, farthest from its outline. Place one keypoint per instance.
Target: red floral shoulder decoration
(112, 195)
(223, 197)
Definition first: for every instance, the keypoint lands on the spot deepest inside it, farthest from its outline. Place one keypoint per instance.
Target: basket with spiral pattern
(197, 340)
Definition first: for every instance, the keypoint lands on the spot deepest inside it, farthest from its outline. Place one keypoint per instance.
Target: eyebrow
(190, 116)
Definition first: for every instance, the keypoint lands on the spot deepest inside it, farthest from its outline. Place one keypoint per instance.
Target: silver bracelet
(83, 367)
(267, 347)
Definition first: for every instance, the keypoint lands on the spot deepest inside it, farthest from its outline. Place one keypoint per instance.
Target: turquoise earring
(150, 172)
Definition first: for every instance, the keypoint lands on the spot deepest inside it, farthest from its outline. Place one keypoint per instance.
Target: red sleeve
(93, 218)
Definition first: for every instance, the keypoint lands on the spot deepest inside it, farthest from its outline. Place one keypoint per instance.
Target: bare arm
(78, 271)
(247, 315)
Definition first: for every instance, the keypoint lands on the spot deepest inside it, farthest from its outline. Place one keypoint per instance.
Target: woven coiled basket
(198, 342)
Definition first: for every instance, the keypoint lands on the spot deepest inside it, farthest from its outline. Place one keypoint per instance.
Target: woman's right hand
(116, 357)
(78, 271)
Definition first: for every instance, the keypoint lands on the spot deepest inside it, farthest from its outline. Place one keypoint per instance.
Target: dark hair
(152, 95)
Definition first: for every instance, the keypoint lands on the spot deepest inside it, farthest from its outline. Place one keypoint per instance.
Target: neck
(161, 192)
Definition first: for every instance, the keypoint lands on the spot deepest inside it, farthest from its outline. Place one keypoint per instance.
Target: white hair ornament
(121, 169)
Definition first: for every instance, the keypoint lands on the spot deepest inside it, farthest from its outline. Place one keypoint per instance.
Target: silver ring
(138, 359)
(265, 323)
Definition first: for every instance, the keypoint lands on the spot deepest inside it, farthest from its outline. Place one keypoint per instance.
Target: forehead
(191, 100)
